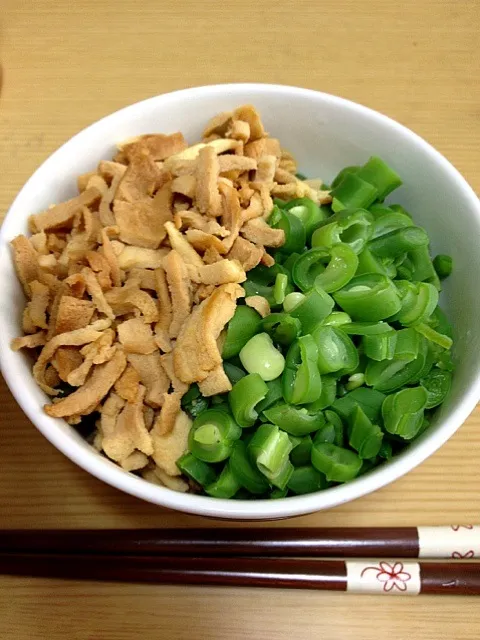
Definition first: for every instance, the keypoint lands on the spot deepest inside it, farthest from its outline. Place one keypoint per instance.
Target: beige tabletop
(68, 63)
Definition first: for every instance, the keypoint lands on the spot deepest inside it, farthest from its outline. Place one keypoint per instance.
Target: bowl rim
(265, 509)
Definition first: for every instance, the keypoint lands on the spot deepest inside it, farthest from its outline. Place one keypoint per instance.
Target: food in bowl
(181, 274)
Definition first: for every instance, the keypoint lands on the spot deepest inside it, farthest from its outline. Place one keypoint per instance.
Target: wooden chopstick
(457, 541)
(372, 576)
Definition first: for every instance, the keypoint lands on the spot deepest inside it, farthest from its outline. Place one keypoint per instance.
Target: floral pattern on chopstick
(392, 575)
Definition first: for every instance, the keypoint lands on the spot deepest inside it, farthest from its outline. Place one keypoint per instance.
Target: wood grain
(65, 65)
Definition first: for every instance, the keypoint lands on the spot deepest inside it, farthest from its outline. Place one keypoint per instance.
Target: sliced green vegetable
(365, 437)
(441, 339)
(225, 486)
(351, 226)
(246, 322)
(269, 449)
(418, 301)
(336, 351)
(369, 400)
(337, 319)
(380, 346)
(369, 297)
(341, 175)
(295, 233)
(437, 385)
(260, 356)
(443, 265)
(283, 328)
(403, 412)
(199, 471)
(327, 396)
(213, 435)
(389, 375)
(297, 422)
(274, 395)
(309, 213)
(314, 308)
(306, 479)
(193, 402)
(338, 464)
(330, 269)
(398, 242)
(244, 397)
(234, 373)
(301, 453)
(301, 379)
(353, 192)
(245, 472)
(380, 175)
(389, 222)
(280, 288)
(292, 300)
(335, 420)
(366, 328)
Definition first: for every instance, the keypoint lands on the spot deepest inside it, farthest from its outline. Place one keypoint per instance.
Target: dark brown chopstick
(374, 576)
(457, 541)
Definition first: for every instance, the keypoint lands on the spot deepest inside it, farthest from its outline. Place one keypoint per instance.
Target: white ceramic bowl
(325, 133)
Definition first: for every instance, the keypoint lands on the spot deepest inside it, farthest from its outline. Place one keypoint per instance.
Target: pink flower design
(392, 575)
(456, 527)
(468, 554)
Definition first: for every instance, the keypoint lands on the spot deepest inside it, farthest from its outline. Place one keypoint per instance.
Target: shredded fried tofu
(170, 445)
(180, 291)
(247, 253)
(130, 283)
(258, 232)
(196, 352)
(87, 397)
(136, 336)
(216, 382)
(259, 303)
(152, 375)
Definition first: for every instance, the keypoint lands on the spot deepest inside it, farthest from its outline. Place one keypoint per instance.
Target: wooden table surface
(68, 63)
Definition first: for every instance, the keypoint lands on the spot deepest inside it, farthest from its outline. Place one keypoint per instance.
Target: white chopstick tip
(461, 541)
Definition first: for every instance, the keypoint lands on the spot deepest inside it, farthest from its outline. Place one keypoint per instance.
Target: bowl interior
(325, 134)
